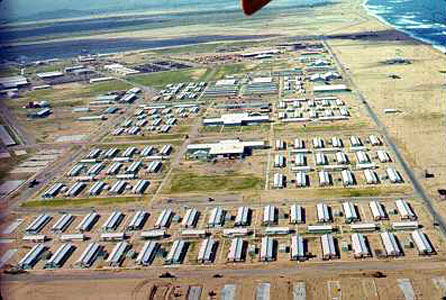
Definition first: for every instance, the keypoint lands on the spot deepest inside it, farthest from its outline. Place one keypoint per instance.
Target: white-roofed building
(225, 148)
(226, 82)
(330, 88)
(13, 82)
(120, 69)
(238, 119)
(316, 77)
(48, 75)
(262, 80)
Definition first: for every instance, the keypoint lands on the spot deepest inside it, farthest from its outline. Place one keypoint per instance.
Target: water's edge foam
(437, 47)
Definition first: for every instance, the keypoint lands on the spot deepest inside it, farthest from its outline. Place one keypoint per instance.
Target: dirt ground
(418, 129)
(426, 284)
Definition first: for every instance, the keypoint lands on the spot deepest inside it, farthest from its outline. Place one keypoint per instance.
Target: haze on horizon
(37, 10)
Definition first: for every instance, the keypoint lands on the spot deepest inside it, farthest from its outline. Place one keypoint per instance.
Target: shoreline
(418, 130)
(441, 49)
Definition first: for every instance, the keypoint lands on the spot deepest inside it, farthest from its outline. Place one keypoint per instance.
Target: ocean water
(424, 20)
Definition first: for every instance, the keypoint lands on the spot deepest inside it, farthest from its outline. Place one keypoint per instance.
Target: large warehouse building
(224, 148)
(236, 120)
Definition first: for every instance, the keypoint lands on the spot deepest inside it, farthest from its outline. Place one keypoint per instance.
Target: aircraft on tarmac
(249, 7)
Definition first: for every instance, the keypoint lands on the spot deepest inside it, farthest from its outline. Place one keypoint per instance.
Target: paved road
(419, 189)
(11, 121)
(181, 151)
(196, 201)
(71, 154)
(271, 138)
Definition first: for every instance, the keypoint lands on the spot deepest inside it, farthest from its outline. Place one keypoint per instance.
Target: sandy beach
(419, 93)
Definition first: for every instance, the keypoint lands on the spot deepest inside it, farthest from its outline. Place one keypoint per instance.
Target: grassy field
(9, 71)
(227, 129)
(191, 182)
(209, 75)
(104, 87)
(74, 92)
(251, 128)
(230, 69)
(365, 192)
(39, 95)
(204, 129)
(69, 103)
(259, 127)
(69, 92)
(160, 79)
(161, 137)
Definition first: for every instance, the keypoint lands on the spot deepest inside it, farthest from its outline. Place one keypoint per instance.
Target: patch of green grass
(204, 129)
(58, 97)
(260, 127)
(71, 103)
(230, 69)
(209, 75)
(322, 128)
(104, 87)
(231, 128)
(160, 79)
(266, 65)
(79, 202)
(8, 71)
(39, 95)
(343, 192)
(55, 66)
(191, 182)
(162, 137)
(185, 129)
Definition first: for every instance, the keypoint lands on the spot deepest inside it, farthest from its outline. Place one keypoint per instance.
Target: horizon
(40, 10)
